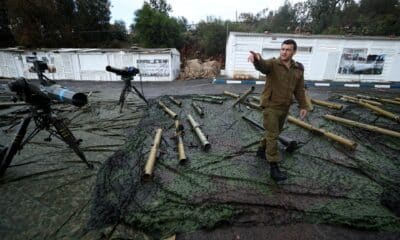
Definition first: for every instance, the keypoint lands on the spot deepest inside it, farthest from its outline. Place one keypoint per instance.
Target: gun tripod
(126, 90)
(44, 120)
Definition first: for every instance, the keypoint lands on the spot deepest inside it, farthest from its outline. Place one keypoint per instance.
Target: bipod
(43, 119)
(127, 89)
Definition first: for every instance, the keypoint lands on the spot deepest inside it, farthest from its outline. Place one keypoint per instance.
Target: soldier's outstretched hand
(253, 57)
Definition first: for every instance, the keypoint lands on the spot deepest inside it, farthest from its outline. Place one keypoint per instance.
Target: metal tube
(348, 143)
(231, 94)
(327, 104)
(381, 111)
(148, 169)
(167, 110)
(198, 109)
(212, 97)
(209, 100)
(362, 125)
(180, 146)
(245, 94)
(179, 103)
(196, 127)
(361, 100)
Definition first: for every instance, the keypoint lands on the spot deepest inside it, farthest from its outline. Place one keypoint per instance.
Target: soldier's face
(287, 52)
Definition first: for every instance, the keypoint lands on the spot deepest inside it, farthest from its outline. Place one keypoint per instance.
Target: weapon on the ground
(212, 97)
(198, 109)
(245, 94)
(127, 75)
(151, 160)
(167, 110)
(362, 125)
(384, 100)
(348, 143)
(255, 98)
(252, 104)
(231, 94)
(196, 127)
(380, 111)
(357, 100)
(209, 100)
(290, 145)
(179, 103)
(179, 132)
(40, 100)
(327, 104)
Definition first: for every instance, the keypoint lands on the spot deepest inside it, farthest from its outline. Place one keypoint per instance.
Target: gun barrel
(65, 95)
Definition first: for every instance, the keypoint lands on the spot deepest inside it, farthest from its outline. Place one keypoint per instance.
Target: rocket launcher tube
(167, 110)
(327, 104)
(362, 125)
(245, 94)
(196, 127)
(348, 143)
(148, 169)
(231, 94)
(181, 148)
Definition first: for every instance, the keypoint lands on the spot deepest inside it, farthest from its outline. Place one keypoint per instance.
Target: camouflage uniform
(280, 86)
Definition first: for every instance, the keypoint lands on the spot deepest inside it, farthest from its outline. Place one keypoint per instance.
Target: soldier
(285, 78)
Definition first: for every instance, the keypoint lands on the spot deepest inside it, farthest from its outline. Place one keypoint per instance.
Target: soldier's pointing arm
(264, 66)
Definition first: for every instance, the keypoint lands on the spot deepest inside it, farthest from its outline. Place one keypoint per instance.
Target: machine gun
(126, 76)
(40, 100)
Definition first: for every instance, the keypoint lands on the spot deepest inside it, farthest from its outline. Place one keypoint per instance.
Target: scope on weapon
(126, 72)
(43, 95)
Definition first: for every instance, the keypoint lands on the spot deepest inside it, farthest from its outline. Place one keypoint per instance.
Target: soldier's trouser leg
(273, 121)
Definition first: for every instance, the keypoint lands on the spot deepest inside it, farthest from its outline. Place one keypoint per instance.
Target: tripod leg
(68, 138)
(140, 94)
(16, 144)
(122, 97)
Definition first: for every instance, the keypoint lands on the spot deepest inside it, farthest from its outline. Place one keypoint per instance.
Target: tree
(154, 28)
(284, 19)
(92, 21)
(161, 6)
(7, 39)
(211, 37)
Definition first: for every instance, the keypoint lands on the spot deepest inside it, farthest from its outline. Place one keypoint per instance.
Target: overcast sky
(196, 10)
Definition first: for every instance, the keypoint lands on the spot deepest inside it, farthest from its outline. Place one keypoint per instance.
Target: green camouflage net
(327, 183)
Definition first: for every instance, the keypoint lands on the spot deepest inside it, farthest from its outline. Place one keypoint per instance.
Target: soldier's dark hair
(291, 42)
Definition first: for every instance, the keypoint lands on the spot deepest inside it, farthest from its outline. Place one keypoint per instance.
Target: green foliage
(85, 23)
(212, 37)
(154, 28)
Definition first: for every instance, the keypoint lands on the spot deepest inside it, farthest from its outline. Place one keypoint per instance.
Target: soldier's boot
(261, 153)
(276, 173)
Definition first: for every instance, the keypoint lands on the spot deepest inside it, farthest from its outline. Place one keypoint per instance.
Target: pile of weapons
(254, 102)
(149, 167)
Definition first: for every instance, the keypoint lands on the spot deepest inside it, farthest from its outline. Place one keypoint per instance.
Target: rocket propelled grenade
(151, 161)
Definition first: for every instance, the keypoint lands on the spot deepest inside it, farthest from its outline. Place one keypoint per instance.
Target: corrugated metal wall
(327, 58)
(89, 64)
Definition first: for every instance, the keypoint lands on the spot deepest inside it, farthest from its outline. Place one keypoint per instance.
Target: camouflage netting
(46, 191)
(327, 183)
